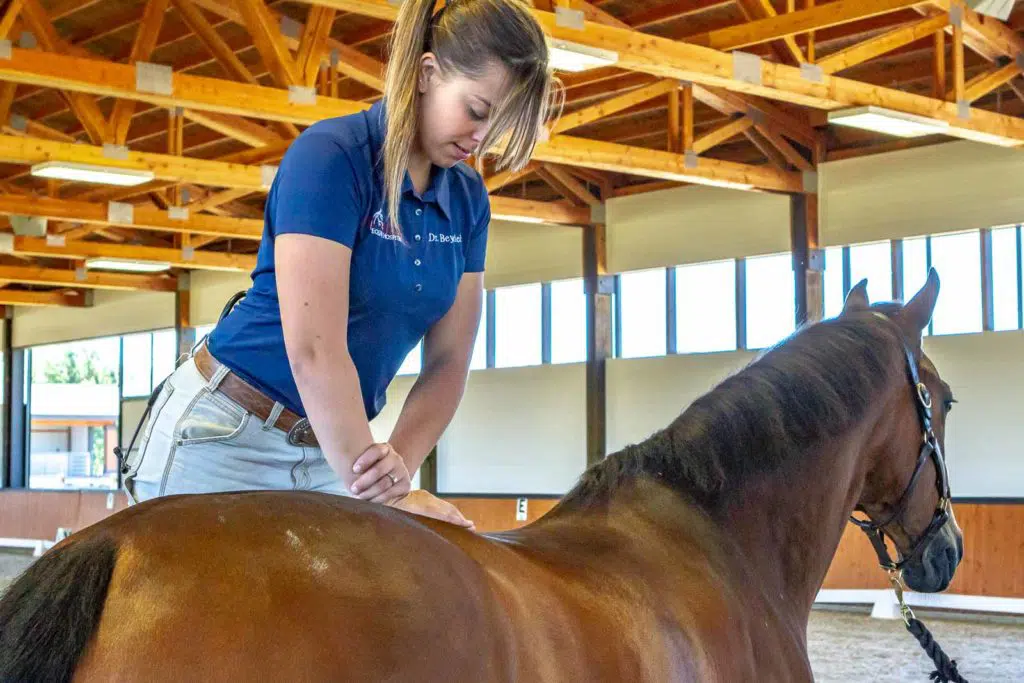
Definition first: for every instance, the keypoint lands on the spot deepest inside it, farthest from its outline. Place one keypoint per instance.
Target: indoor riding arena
(674, 303)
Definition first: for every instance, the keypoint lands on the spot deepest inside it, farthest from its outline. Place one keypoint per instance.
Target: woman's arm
(313, 290)
(434, 398)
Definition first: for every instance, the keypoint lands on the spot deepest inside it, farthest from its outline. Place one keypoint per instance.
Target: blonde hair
(466, 36)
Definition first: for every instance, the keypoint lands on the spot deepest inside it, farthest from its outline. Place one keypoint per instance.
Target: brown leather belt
(253, 400)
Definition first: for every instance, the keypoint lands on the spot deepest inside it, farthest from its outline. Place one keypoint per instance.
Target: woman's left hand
(383, 475)
(420, 502)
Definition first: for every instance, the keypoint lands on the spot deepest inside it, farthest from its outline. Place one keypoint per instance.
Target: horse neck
(788, 524)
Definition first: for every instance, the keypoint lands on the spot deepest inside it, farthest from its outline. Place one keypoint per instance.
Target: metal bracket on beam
(810, 182)
(6, 243)
(963, 109)
(56, 241)
(1020, 60)
(746, 67)
(27, 40)
(606, 284)
(188, 253)
(569, 18)
(81, 274)
(956, 16)
(115, 151)
(154, 78)
(300, 94)
(290, 28)
(18, 122)
(816, 260)
(756, 115)
(690, 159)
(120, 212)
(177, 213)
(335, 58)
(5, 49)
(267, 174)
(812, 72)
(598, 213)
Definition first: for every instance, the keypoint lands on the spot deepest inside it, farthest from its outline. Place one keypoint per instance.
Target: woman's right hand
(420, 502)
(374, 469)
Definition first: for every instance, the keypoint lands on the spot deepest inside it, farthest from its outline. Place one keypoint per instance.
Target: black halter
(930, 450)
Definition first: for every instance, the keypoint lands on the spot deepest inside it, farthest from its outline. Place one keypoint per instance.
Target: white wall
(693, 225)
(521, 253)
(211, 291)
(112, 313)
(518, 430)
(941, 188)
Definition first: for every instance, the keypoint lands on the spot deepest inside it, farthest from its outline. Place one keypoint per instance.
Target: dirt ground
(850, 646)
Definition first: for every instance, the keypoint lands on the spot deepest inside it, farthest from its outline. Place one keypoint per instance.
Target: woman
(372, 242)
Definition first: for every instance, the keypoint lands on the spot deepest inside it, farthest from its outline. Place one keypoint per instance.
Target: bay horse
(695, 555)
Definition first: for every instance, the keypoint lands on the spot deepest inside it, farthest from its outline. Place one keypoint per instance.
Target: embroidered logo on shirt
(444, 239)
(378, 227)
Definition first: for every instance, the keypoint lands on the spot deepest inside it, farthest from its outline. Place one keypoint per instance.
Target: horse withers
(695, 555)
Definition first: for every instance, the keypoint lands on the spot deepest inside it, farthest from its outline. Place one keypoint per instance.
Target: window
(568, 322)
(771, 297)
(165, 354)
(479, 359)
(1005, 278)
(138, 365)
(834, 295)
(957, 258)
(74, 407)
(204, 330)
(413, 361)
(874, 262)
(643, 309)
(915, 267)
(706, 307)
(517, 326)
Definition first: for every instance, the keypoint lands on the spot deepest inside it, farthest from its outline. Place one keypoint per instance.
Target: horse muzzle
(931, 568)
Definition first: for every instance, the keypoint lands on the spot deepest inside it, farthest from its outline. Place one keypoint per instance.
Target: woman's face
(455, 110)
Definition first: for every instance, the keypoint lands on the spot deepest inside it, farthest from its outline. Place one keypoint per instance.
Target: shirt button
(419, 212)
(419, 288)
(416, 262)
(417, 238)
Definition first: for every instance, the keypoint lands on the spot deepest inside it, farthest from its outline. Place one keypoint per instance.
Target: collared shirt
(330, 184)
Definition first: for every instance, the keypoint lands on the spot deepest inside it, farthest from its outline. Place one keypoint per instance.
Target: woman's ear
(429, 68)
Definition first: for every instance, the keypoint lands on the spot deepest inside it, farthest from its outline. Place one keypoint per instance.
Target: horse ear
(857, 299)
(918, 311)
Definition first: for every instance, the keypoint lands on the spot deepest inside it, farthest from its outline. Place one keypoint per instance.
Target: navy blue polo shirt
(330, 184)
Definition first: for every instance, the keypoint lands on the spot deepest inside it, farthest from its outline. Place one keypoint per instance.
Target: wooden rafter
(787, 46)
(314, 39)
(206, 33)
(10, 15)
(595, 112)
(509, 209)
(58, 277)
(887, 42)
(986, 82)
(266, 35)
(735, 127)
(569, 187)
(500, 180)
(76, 250)
(787, 150)
(236, 127)
(9, 297)
(142, 48)
(84, 106)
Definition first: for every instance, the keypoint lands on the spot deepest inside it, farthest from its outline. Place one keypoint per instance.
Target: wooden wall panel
(993, 535)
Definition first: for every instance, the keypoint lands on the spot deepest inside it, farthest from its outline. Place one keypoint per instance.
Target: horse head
(906, 490)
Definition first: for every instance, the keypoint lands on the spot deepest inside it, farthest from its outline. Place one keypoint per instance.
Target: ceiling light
(1000, 9)
(986, 138)
(88, 173)
(573, 57)
(126, 265)
(714, 182)
(888, 121)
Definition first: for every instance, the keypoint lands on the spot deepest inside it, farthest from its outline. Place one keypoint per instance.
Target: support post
(808, 258)
(186, 333)
(598, 287)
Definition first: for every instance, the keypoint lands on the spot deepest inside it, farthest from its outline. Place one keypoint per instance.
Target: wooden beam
(206, 33)
(87, 279)
(38, 130)
(643, 188)
(99, 77)
(722, 133)
(765, 9)
(609, 156)
(776, 26)
(143, 217)
(10, 297)
(773, 155)
(142, 48)
(797, 129)
(598, 292)
(879, 45)
(958, 63)
(575, 189)
(7, 92)
(787, 150)
(686, 97)
(314, 40)
(675, 130)
(596, 14)
(267, 38)
(77, 250)
(165, 167)
(984, 83)
(939, 66)
(83, 106)
(235, 127)
(217, 199)
(526, 211)
(612, 105)
(500, 180)
(9, 17)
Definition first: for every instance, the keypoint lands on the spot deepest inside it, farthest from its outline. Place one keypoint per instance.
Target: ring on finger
(394, 481)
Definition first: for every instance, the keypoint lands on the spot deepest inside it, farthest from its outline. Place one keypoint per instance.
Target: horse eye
(949, 404)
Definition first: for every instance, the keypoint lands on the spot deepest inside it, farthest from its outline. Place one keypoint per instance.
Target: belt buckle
(299, 431)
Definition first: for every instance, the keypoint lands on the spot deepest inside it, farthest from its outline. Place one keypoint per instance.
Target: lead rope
(945, 668)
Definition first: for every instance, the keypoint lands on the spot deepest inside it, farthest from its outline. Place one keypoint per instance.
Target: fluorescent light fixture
(88, 173)
(986, 138)
(713, 182)
(1000, 9)
(516, 218)
(888, 121)
(573, 57)
(126, 265)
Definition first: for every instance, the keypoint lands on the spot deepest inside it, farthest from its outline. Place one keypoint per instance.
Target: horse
(694, 555)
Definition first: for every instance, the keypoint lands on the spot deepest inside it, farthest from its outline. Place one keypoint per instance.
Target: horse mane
(816, 384)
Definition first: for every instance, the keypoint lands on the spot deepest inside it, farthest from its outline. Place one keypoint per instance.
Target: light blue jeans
(197, 440)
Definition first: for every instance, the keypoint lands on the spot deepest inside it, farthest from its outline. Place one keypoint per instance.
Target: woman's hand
(382, 473)
(422, 503)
